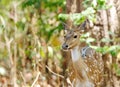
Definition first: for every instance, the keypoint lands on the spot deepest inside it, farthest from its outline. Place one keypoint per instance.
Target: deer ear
(82, 26)
(65, 26)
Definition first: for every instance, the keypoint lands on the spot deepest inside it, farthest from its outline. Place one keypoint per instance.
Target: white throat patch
(75, 52)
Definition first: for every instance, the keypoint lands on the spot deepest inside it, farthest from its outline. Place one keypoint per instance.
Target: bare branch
(35, 79)
(54, 72)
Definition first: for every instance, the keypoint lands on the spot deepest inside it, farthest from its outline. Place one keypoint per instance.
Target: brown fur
(85, 69)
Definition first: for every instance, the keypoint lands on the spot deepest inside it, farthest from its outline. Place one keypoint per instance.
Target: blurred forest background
(31, 34)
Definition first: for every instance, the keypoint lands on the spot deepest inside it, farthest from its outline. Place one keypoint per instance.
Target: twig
(8, 43)
(54, 72)
(23, 78)
(35, 79)
(69, 82)
(13, 69)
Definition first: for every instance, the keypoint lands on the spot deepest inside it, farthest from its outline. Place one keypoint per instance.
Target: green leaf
(63, 16)
(112, 48)
(42, 53)
(100, 49)
(35, 3)
(78, 18)
(94, 47)
(88, 40)
(118, 72)
(117, 69)
(85, 35)
(82, 39)
(106, 40)
(2, 22)
(113, 53)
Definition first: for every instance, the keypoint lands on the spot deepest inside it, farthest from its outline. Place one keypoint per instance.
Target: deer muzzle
(65, 46)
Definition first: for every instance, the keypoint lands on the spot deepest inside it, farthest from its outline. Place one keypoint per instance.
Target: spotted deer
(88, 67)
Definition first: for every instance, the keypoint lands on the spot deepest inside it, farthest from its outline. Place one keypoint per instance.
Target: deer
(88, 69)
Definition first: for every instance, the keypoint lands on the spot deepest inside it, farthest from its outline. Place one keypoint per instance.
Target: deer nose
(65, 46)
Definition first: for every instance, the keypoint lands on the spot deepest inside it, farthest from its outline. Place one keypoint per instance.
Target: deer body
(81, 69)
(88, 71)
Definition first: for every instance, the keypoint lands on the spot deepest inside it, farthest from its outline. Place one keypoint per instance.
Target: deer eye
(75, 36)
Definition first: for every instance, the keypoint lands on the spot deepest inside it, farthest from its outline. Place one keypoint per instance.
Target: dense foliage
(29, 41)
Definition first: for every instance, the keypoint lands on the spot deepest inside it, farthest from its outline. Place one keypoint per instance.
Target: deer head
(72, 36)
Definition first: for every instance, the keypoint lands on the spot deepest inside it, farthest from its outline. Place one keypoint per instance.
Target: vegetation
(30, 41)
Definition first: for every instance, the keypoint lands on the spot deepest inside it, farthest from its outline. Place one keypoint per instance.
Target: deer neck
(78, 63)
(75, 53)
(80, 69)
